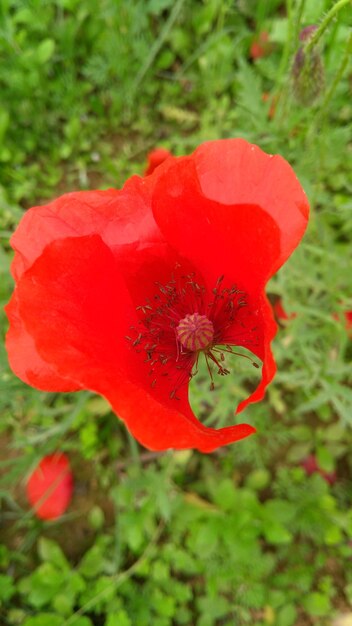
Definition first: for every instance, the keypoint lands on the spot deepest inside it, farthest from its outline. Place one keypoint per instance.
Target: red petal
(81, 332)
(233, 206)
(348, 318)
(25, 361)
(87, 307)
(124, 221)
(159, 427)
(233, 210)
(281, 313)
(49, 488)
(120, 217)
(260, 46)
(265, 332)
(155, 158)
(247, 175)
(311, 466)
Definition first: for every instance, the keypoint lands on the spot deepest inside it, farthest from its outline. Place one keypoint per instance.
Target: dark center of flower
(184, 320)
(195, 332)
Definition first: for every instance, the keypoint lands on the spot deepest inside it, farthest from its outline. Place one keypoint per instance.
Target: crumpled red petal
(49, 488)
(81, 333)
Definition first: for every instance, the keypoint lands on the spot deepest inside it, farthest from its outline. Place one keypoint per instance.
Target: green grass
(242, 536)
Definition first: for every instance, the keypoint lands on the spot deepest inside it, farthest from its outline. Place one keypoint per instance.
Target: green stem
(282, 86)
(324, 24)
(313, 131)
(298, 20)
(158, 44)
(134, 450)
(287, 48)
(338, 76)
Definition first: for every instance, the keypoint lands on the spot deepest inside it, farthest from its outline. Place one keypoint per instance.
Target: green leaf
(92, 562)
(45, 51)
(7, 588)
(287, 616)
(118, 619)
(280, 510)
(317, 604)
(325, 459)
(82, 620)
(4, 122)
(44, 619)
(225, 494)
(63, 603)
(258, 479)
(333, 536)
(276, 533)
(96, 517)
(44, 584)
(155, 7)
(50, 551)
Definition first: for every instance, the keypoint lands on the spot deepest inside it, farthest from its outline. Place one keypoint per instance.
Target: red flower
(49, 488)
(311, 466)
(273, 100)
(348, 323)
(260, 46)
(347, 319)
(121, 292)
(155, 158)
(280, 313)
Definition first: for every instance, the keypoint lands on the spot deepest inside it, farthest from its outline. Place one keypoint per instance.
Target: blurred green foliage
(243, 536)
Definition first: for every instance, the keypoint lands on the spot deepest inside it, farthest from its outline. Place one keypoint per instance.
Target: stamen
(183, 321)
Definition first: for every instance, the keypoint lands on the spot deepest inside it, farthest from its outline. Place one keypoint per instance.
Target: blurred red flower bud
(307, 32)
(280, 313)
(348, 325)
(347, 318)
(311, 466)
(267, 97)
(49, 488)
(307, 70)
(260, 46)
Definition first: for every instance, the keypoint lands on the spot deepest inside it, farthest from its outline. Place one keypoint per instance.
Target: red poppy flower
(347, 319)
(280, 313)
(49, 488)
(260, 46)
(155, 158)
(122, 292)
(348, 323)
(311, 466)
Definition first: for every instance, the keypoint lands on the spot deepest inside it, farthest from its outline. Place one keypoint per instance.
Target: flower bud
(307, 70)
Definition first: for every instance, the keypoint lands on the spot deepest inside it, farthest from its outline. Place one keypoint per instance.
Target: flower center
(183, 321)
(195, 332)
